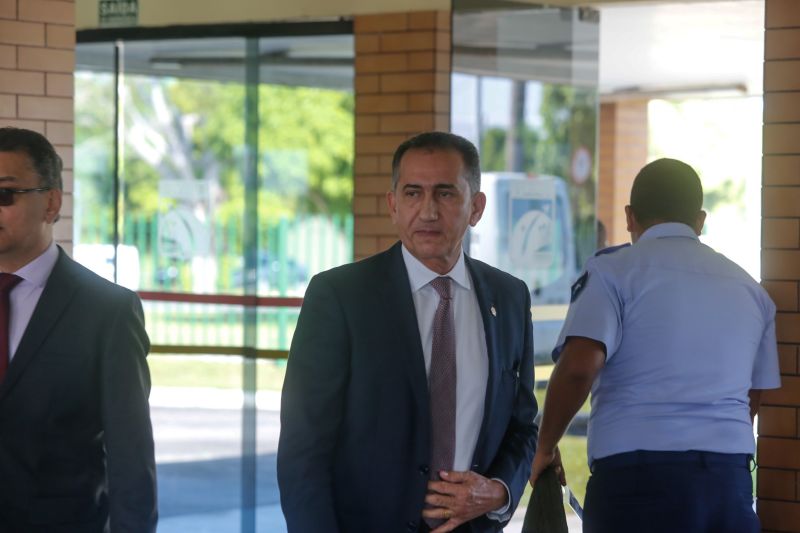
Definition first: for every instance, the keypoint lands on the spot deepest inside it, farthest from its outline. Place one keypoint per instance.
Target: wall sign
(114, 13)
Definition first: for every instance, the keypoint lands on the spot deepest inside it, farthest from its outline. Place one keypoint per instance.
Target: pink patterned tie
(442, 385)
(7, 282)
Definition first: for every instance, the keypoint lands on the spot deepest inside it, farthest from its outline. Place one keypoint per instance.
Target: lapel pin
(493, 311)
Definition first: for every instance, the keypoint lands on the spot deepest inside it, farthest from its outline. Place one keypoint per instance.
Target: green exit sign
(118, 13)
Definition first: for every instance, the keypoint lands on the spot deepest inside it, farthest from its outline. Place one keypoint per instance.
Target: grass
(573, 457)
(207, 324)
(218, 372)
(226, 372)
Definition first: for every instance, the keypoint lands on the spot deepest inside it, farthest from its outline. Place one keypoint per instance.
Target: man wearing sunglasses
(76, 444)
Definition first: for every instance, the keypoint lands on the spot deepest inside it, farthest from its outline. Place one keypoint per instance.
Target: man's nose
(430, 210)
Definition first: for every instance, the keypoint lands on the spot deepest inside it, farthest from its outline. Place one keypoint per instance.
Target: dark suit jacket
(355, 421)
(76, 445)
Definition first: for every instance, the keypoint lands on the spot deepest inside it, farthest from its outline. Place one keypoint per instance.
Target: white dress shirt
(471, 353)
(472, 358)
(25, 295)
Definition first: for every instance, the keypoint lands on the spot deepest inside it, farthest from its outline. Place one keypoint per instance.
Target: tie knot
(442, 286)
(8, 282)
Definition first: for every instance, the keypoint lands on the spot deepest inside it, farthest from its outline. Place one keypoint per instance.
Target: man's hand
(579, 364)
(461, 496)
(542, 460)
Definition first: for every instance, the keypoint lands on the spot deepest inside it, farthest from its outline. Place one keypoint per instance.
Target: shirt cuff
(502, 514)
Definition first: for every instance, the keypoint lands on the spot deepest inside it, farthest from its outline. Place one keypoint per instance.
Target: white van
(526, 230)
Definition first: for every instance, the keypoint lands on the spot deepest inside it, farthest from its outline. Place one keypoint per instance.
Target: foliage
(569, 121)
(494, 155)
(319, 124)
(194, 130)
(94, 150)
(729, 192)
(212, 372)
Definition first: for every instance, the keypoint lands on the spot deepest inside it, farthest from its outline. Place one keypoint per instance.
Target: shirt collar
(38, 270)
(419, 275)
(668, 229)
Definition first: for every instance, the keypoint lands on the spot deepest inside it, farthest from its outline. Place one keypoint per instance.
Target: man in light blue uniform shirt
(675, 342)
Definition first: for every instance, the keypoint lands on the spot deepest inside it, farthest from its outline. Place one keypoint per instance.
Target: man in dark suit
(76, 444)
(408, 402)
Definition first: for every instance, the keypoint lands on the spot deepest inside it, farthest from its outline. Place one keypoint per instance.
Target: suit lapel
(487, 301)
(400, 306)
(52, 303)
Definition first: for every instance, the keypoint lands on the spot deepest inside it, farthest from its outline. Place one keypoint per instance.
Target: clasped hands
(461, 496)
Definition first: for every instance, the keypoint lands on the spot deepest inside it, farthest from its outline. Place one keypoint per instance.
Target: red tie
(7, 282)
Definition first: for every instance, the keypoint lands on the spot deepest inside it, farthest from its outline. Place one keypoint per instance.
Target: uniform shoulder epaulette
(611, 249)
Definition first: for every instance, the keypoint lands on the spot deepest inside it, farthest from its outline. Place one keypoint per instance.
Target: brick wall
(402, 87)
(623, 151)
(37, 61)
(779, 425)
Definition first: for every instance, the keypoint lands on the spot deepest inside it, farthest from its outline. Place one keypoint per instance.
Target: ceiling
(651, 49)
(643, 48)
(685, 47)
(318, 61)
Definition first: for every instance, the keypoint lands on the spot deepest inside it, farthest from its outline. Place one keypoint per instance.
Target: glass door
(525, 91)
(215, 178)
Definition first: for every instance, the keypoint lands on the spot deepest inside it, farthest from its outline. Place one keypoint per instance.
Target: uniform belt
(647, 457)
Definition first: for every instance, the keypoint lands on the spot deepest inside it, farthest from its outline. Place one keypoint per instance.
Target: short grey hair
(441, 140)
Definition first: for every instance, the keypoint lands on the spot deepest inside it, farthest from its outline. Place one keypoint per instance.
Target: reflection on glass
(93, 225)
(306, 154)
(183, 148)
(181, 162)
(524, 90)
(184, 139)
(528, 100)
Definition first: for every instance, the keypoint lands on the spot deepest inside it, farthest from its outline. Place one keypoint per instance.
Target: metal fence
(290, 252)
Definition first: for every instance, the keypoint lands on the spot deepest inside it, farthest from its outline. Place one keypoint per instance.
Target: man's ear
(634, 228)
(630, 219)
(391, 201)
(52, 213)
(478, 204)
(700, 222)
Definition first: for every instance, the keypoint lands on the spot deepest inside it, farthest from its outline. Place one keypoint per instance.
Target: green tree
(94, 156)
(569, 117)
(190, 134)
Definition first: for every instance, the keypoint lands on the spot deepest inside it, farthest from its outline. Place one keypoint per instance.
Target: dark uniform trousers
(671, 492)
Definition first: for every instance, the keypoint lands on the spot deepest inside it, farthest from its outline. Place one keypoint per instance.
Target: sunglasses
(7, 195)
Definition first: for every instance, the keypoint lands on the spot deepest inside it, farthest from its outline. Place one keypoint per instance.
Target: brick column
(623, 151)
(779, 431)
(37, 61)
(402, 87)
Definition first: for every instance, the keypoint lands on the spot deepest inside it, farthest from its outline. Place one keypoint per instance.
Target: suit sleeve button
(424, 470)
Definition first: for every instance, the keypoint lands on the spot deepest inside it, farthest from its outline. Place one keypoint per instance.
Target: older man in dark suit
(408, 403)
(76, 445)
